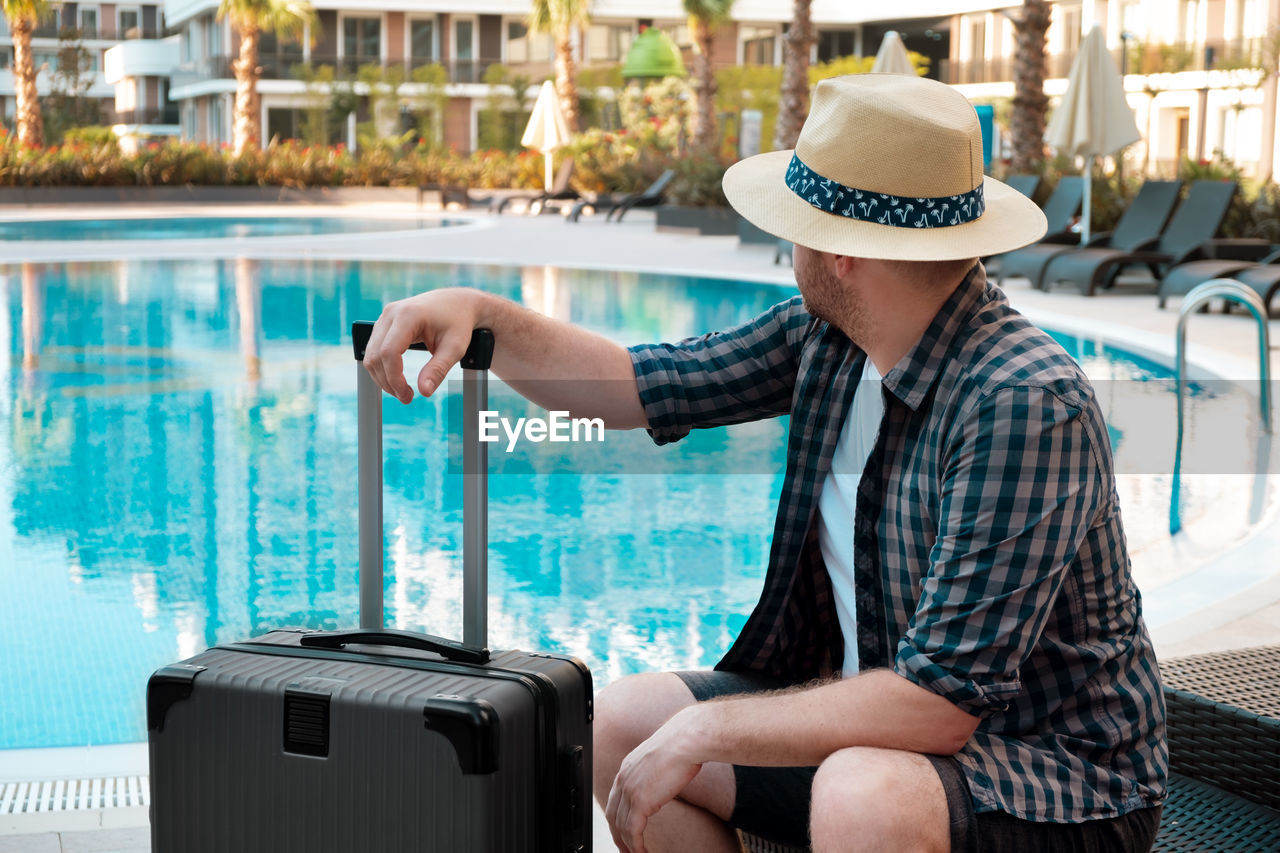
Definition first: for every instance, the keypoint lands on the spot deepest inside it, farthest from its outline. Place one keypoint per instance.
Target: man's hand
(441, 319)
(650, 777)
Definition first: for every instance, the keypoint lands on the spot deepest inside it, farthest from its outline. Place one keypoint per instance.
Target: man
(948, 538)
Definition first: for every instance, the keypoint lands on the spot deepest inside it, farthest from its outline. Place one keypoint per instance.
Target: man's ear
(842, 265)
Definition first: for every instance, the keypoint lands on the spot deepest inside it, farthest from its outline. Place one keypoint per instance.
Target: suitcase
(373, 739)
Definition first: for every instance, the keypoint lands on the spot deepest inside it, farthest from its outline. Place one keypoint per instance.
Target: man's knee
(867, 793)
(627, 712)
(634, 707)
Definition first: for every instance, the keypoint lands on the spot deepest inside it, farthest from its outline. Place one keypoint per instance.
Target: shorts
(773, 802)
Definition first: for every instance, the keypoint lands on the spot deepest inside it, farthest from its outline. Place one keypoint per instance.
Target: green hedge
(289, 164)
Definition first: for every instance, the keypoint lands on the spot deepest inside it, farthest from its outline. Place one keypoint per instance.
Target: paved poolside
(1225, 345)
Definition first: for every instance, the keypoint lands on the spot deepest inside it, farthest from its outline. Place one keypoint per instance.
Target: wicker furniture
(1224, 755)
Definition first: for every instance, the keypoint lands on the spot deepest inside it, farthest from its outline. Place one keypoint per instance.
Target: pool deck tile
(1225, 344)
(45, 842)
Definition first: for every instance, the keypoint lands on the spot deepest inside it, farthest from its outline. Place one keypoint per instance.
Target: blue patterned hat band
(883, 208)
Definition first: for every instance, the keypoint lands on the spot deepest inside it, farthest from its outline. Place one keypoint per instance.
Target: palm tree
(704, 17)
(794, 106)
(1029, 100)
(23, 15)
(250, 18)
(559, 18)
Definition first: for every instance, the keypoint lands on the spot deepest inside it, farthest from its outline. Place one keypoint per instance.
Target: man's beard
(827, 298)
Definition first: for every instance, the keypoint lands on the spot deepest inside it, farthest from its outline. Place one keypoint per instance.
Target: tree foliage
(794, 107)
(560, 18)
(23, 16)
(1030, 104)
(288, 19)
(704, 17)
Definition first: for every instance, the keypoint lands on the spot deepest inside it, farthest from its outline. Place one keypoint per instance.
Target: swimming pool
(206, 227)
(177, 469)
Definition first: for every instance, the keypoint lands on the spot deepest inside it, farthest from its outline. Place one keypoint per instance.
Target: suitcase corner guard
(167, 686)
(471, 727)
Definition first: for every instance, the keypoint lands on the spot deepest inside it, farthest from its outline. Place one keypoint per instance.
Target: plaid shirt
(990, 561)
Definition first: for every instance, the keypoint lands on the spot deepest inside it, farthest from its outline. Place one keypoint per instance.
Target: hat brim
(757, 189)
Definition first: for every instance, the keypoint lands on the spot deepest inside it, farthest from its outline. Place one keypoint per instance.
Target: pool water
(206, 227)
(178, 460)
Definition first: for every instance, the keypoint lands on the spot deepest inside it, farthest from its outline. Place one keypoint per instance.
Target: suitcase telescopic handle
(479, 353)
(447, 649)
(475, 469)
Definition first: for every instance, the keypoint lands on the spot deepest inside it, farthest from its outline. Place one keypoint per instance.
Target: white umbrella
(1094, 119)
(892, 57)
(547, 129)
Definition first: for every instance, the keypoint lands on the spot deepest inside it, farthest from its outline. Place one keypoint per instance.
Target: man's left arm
(1017, 498)
(794, 728)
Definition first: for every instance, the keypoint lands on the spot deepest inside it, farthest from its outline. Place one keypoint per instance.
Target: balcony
(152, 115)
(1226, 55)
(103, 33)
(140, 59)
(280, 67)
(1142, 58)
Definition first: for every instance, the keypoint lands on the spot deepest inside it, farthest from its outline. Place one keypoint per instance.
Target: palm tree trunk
(246, 125)
(794, 105)
(1029, 100)
(702, 124)
(566, 85)
(27, 109)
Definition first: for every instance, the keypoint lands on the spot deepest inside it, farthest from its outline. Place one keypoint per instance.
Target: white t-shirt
(839, 500)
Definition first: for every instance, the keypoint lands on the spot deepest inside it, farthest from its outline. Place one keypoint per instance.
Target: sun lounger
(1187, 234)
(653, 196)
(451, 194)
(1060, 211)
(1143, 219)
(1025, 184)
(539, 201)
(1262, 275)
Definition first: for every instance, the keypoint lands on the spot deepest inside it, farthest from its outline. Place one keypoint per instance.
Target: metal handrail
(1232, 291)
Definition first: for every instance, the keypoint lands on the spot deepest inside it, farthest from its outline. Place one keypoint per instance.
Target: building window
(88, 23)
(127, 23)
(361, 41)
(285, 123)
(464, 39)
(216, 120)
(835, 44)
(759, 45)
(523, 46)
(679, 34)
(422, 41)
(1189, 21)
(278, 57)
(977, 39)
(1071, 23)
(608, 42)
(212, 36)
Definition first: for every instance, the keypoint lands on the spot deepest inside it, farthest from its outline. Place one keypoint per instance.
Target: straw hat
(887, 166)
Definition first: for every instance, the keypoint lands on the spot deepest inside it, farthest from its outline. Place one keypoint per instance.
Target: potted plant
(697, 198)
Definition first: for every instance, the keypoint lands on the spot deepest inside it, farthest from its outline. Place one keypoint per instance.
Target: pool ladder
(1231, 291)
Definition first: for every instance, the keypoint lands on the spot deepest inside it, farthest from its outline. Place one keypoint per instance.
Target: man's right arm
(556, 365)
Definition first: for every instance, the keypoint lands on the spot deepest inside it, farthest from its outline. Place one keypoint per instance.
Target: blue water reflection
(177, 469)
(206, 228)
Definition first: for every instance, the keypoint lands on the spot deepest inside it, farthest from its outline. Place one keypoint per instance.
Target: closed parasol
(547, 129)
(1094, 118)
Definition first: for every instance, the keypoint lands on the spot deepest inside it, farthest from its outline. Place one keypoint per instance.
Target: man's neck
(896, 315)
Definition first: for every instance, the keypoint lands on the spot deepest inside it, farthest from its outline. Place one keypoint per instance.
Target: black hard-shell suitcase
(375, 740)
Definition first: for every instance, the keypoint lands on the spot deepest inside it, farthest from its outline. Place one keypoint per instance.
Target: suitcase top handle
(447, 649)
(478, 357)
